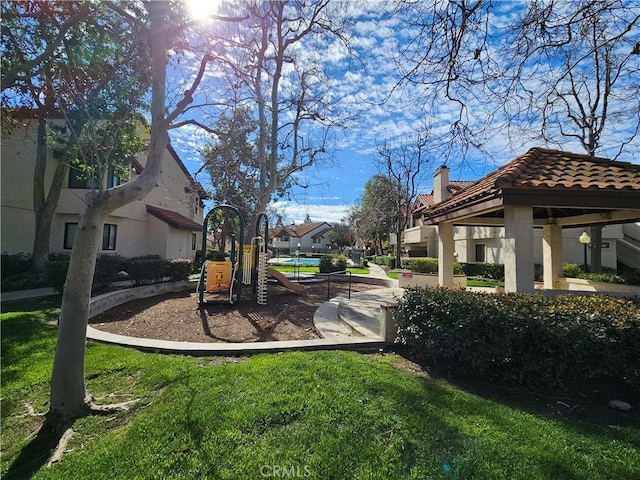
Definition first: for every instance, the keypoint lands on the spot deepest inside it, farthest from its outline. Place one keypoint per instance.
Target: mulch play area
(176, 316)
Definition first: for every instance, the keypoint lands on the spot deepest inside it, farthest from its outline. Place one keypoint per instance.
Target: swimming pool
(310, 262)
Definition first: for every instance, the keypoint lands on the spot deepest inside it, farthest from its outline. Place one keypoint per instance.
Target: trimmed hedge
(15, 264)
(494, 271)
(385, 260)
(141, 270)
(523, 338)
(332, 263)
(426, 265)
(625, 277)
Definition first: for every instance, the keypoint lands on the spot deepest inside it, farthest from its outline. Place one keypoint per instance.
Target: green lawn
(321, 415)
(307, 269)
(470, 283)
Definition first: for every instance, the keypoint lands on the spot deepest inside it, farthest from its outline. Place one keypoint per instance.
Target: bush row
(16, 264)
(625, 276)
(385, 261)
(522, 338)
(426, 265)
(139, 270)
(332, 263)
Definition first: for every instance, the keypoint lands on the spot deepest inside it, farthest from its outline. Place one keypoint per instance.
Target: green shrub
(631, 275)
(420, 264)
(14, 264)
(146, 269)
(523, 339)
(16, 273)
(178, 269)
(385, 260)
(571, 270)
(332, 263)
(494, 271)
(56, 274)
(626, 276)
(107, 268)
(426, 265)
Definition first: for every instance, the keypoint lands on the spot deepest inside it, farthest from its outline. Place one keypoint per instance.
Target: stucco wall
(138, 232)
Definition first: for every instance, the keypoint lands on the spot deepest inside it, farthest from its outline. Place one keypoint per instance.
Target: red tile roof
(174, 219)
(553, 178)
(424, 201)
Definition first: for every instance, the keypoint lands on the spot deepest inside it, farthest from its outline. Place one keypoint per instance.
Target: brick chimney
(440, 184)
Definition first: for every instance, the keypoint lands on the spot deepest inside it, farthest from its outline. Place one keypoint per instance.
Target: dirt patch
(176, 316)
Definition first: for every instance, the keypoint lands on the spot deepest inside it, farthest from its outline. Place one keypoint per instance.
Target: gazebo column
(445, 255)
(551, 255)
(518, 258)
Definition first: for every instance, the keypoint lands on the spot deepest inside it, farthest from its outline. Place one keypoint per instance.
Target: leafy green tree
(157, 26)
(377, 211)
(342, 236)
(231, 161)
(87, 88)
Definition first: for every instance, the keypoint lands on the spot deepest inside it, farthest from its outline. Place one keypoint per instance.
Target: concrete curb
(202, 348)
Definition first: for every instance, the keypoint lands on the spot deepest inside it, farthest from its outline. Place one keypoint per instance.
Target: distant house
(168, 222)
(308, 238)
(486, 243)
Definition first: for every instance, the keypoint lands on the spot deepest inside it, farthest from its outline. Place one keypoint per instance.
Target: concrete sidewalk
(25, 294)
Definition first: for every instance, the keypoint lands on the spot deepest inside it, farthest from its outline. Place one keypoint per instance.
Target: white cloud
(297, 212)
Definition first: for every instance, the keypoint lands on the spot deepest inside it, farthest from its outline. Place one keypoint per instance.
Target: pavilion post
(551, 255)
(445, 255)
(518, 258)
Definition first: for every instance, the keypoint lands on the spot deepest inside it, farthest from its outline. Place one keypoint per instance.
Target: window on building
(112, 178)
(481, 252)
(194, 241)
(77, 178)
(109, 234)
(69, 235)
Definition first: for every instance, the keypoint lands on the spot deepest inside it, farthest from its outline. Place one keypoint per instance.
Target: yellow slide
(285, 282)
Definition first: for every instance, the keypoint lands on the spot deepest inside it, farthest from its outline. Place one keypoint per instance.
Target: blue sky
(359, 88)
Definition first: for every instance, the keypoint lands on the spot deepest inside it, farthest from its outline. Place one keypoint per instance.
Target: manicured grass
(484, 283)
(320, 415)
(292, 269)
(470, 283)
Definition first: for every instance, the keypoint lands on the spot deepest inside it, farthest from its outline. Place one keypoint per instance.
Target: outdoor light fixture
(585, 239)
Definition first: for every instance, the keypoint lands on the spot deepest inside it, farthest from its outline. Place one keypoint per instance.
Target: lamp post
(585, 239)
(298, 262)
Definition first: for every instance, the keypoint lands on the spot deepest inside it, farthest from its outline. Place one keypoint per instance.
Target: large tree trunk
(69, 398)
(44, 209)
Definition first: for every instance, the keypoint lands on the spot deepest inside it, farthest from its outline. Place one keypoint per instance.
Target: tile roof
(300, 230)
(545, 177)
(424, 201)
(174, 219)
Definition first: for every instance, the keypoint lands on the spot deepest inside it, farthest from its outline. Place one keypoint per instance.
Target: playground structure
(222, 281)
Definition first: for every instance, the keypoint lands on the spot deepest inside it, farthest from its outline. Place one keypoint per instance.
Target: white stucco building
(168, 222)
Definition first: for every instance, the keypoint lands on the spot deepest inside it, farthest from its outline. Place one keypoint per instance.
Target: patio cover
(545, 188)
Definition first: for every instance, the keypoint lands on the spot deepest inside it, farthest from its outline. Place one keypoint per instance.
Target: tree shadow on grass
(582, 407)
(35, 454)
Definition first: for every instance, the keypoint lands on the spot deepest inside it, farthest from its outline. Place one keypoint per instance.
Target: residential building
(486, 243)
(167, 222)
(307, 238)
